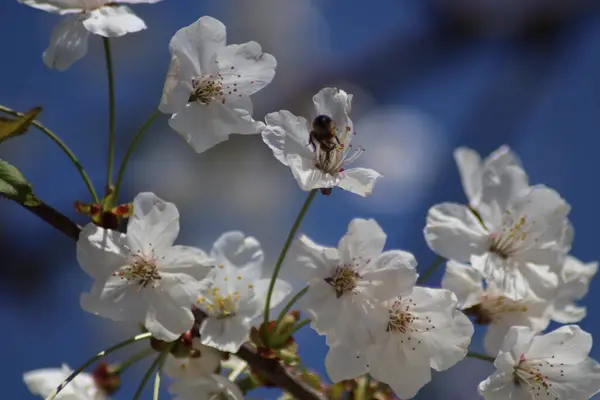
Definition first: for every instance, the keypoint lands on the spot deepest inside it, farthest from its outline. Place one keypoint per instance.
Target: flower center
(142, 270)
(533, 378)
(206, 88)
(492, 308)
(511, 238)
(343, 280)
(218, 305)
(402, 320)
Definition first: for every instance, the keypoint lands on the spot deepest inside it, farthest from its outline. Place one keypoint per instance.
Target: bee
(323, 134)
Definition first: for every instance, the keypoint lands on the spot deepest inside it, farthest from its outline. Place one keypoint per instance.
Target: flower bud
(105, 378)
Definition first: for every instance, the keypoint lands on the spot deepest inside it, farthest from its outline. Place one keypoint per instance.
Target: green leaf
(14, 185)
(11, 127)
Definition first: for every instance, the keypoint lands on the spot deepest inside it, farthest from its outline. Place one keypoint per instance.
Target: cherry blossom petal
(469, 166)
(500, 386)
(568, 344)
(286, 134)
(55, 6)
(166, 318)
(453, 232)
(177, 88)
(207, 387)
(503, 186)
(465, 281)
(100, 252)
(113, 21)
(393, 273)
(307, 176)
(197, 44)
(186, 260)
(364, 241)
(68, 43)
(244, 253)
(344, 362)
(113, 298)
(245, 68)
(336, 104)
(226, 334)
(359, 180)
(312, 261)
(206, 363)
(154, 225)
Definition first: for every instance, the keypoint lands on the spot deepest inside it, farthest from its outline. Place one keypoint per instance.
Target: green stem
(111, 111)
(300, 325)
(288, 306)
(479, 356)
(63, 147)
(96, 358)
(133, 360)
(130, 150)
(163, 358)
(430, 270)
(158, 361)
(286, 247)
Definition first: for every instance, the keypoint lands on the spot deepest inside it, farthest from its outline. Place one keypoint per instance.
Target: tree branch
(271, 369)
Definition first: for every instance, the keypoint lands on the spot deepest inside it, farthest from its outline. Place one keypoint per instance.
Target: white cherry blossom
(42, 382)
(107, 18)
(501, 172)
(207, 387)
(233, 295)
(517, 249)
(346, 283)
(208, 84)
(423, 330)
(574, 282)
(314, 167)
(141, 275)
(490, 307)
(202, 361)
(554, 366)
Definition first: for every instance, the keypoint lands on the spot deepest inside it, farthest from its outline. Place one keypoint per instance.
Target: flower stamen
(343, 280)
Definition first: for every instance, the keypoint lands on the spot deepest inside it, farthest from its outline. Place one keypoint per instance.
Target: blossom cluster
(508, 251)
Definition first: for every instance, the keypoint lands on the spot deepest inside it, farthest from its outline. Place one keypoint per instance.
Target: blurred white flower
(141, 276)
(207, 387)
(318, 154)
(208, 84)
(346, 283)
(518, 249)
(203, 360)
(551, 366)
(424, 330)
(43, 382)
(107, 18)
(500, 173)
(574, 282)
(490, 307)
(234, 293)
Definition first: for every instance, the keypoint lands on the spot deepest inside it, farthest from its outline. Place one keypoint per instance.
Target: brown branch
(269, 368)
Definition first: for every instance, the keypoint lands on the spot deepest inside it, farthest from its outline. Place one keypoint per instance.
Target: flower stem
(111, 111)
(430, 270)
(155, 366)
(288, 306)
(63, 147)
(96, 358)
(286, 247)
(130, 150)
(237, 371)
(159, 368)
(132, 360)
(479, 356)
(300, 325)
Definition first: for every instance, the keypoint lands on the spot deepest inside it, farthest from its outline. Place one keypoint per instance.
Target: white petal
(312, 261)
(256, 306)
(568, 313)
(568, 344)
(206, 387)
(308, 176)
(198, 44)
(321, 305)
(501, 386)
(226, 334)
(115, 299)
(185, 260)
(391, 274)
(465, 281)
(100, 252)
(453, 232)
(359, 180)
(167, 318)
(406, 375)
(503, 186)
(243, 253)
(450, 344)
(154, 225)
(56, 6)
(176, 90)
(516, 342)
(363, 241)
(494, 337)
(204, 126)
(336, 104)
(344, 362)
(286, 134)
(193, 367)
(113, 21)
(245, 68)
(42, 382)
(68, 44)
(580, 381)
(469, 166)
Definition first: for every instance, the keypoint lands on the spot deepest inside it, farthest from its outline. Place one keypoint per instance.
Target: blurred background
(427, 76)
